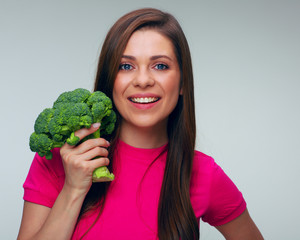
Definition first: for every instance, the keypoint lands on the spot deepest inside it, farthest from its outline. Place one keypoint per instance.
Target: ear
(180, 93)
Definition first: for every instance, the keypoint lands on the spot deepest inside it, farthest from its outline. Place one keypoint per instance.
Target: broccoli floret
(101, 107)
(41, 144)
(42, 121)
(108, 124)
(71, 111)
(78, 95)
(68, 118)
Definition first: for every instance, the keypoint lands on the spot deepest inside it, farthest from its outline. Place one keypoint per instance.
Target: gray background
(246, 66)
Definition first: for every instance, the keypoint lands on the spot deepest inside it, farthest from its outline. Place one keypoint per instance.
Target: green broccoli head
(100, 104)
(96, 97)
(69, 117)
(41, 144)
(71, 111)
(58, 128)
(108, 124)
(78, 95)
(81, 116)
(42, 121)
(99, 111)
(86, 121)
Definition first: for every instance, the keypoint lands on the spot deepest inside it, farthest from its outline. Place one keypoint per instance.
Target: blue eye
(161, 66)
(125, 66)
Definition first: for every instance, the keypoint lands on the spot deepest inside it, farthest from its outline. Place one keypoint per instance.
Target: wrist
(72, 193)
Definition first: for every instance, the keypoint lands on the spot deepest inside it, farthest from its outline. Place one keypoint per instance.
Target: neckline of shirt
(141, 153)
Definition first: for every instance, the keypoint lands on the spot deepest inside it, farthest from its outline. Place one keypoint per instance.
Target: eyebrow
(151, 58)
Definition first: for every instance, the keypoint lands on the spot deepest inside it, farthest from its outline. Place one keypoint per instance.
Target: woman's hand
(79, 162)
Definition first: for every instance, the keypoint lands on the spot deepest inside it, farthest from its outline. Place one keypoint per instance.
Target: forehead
(150, 42)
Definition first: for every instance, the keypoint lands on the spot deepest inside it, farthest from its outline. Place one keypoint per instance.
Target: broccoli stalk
(70, 112)
(101, 174)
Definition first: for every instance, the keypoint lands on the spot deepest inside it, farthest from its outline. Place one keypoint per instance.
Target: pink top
(130, 211)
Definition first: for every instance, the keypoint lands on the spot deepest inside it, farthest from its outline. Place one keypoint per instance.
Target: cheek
(121, 83)
(118, 94)
(172, 86)
(172, 90)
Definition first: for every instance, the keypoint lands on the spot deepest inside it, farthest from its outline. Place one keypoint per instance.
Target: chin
(146, 123)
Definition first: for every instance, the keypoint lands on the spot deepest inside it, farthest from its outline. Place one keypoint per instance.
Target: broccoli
(72, 111)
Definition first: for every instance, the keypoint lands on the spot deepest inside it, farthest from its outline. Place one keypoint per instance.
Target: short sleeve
(44, 180)
(226, 202)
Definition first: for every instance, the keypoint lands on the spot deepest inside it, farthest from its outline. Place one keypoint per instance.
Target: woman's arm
(58, 222)
(40, 222)
(242, 227)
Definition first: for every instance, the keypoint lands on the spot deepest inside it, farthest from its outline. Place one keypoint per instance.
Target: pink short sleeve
(226, 202)
(44, 180)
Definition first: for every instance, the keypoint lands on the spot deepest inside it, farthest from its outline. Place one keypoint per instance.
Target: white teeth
(144, 100)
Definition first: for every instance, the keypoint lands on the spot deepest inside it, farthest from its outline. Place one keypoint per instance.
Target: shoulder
(202, 159)
(203, 164)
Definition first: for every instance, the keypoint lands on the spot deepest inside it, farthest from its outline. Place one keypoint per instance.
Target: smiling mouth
(144, 100)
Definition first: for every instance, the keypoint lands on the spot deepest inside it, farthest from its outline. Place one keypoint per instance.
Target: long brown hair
(176, 218)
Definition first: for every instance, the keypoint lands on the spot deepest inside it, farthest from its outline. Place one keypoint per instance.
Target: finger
(94, 153)
(98, 162)
(83, 132)
(90, 144)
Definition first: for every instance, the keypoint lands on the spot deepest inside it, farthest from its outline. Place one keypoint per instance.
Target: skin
(242, 227)
(148, 68)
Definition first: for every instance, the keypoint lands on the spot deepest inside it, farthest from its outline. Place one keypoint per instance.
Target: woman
(162, 186)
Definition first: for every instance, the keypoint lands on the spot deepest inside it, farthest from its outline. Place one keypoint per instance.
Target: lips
(143, 100)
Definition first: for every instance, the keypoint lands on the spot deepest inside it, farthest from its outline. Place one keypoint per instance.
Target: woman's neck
(151, 137)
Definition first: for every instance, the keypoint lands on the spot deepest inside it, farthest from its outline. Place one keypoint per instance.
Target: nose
(143, 79)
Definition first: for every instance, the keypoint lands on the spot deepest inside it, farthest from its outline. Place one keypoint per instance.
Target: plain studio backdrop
(246, 60)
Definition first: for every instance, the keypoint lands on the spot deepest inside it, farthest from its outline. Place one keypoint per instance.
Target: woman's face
(146, 87)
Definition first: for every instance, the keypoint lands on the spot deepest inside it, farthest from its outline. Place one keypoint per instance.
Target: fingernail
(96, 125)
(108, 143)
